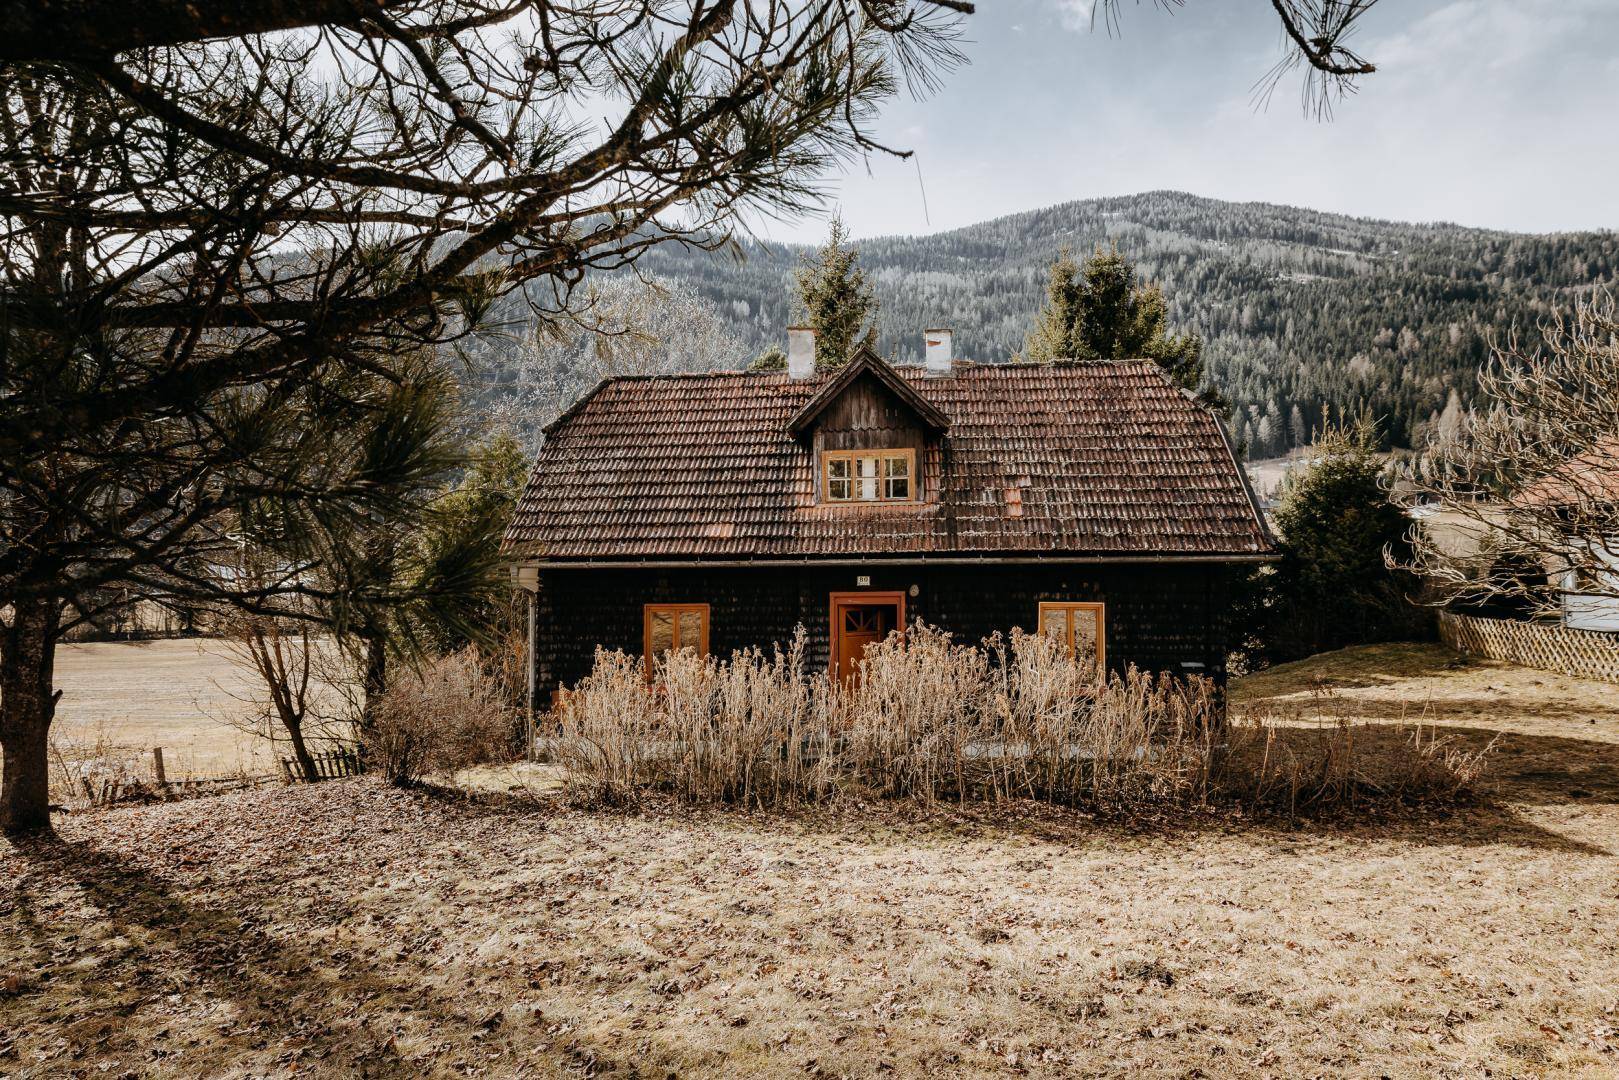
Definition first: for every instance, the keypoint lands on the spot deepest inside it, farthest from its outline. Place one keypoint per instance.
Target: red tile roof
(1588, 478)
(1107, 460)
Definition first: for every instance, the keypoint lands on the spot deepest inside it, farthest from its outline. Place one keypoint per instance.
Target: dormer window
(855, 476)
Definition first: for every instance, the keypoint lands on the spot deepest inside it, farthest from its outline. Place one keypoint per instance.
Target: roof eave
(658, 562)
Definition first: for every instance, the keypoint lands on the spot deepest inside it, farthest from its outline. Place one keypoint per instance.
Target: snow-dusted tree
(1529, 479)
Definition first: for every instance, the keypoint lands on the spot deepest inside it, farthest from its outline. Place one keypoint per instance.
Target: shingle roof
(1590, 478)
(1105, 459)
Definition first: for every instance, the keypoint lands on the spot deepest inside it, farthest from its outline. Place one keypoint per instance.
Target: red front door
(859, 620)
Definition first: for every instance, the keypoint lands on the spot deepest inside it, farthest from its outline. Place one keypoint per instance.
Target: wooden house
(1573, 507)
(714, 511)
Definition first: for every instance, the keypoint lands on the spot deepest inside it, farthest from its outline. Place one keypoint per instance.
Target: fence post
(157, 767)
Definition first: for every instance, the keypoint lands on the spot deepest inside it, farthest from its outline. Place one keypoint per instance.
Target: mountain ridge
(1300, 309)
(1209, 200)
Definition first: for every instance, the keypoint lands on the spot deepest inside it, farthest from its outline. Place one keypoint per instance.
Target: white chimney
(940, 350)
(800, 352)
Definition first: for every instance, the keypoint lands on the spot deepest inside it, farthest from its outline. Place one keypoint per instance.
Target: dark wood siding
(1160, 617)
(868, 416)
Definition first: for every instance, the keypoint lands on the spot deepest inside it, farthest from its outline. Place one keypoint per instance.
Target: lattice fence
(1582, 653)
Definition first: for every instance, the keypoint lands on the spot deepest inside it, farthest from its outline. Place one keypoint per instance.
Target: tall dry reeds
(932, 719)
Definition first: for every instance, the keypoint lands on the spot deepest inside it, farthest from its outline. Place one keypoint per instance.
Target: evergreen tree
(462, 597)
(1332, 587)
(1099, 311)
(838, 301)
(252, 218)
(774, 358)
(1449, 423)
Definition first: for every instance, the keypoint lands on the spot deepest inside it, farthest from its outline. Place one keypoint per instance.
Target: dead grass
(180, 694)
(122, 699)
(350, 929)
(1014, 717)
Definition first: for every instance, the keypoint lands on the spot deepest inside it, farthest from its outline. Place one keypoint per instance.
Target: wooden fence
(125, 785)
(1584, 654)
(118, 790)
(328, 766)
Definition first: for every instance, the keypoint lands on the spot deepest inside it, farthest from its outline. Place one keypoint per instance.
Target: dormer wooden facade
(870, 416)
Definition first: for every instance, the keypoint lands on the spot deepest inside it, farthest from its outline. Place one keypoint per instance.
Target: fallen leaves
(350, 929)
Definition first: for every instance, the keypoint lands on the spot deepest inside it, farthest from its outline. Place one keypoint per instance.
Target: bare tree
(1521, 494)
(290, 660)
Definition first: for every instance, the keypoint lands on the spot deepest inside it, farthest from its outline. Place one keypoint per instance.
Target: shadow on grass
(1475, 823)
(291, 1009)
(1357, 667)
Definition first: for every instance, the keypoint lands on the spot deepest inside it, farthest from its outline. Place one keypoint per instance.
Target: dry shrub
(910, 724)
(451, 714)
(930, 719)
(1315, 762)
(1113, 742)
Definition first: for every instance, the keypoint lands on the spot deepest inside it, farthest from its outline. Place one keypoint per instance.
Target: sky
(1493, 113)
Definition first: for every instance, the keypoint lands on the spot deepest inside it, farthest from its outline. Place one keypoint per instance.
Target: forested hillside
(1298, 308)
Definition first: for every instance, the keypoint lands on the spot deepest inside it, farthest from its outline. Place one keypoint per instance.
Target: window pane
(1085, 634)
(662, 636)
(691, 631)
(896, 476)
(1054, 623)
(866, 470)
(869, 477)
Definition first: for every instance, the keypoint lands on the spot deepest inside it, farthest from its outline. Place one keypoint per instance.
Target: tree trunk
(27, 705)
(300, 752)
(287, 681)
(374, 682)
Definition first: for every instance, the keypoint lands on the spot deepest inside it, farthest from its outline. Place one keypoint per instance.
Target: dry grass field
(122, 699)
(127, 697)
(348, 929)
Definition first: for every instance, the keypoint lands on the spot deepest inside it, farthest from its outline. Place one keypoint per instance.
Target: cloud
(1489, 35)
(1075, 14)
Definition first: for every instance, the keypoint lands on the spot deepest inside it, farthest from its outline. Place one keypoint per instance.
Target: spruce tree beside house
(1099, 311)
(1333, 587)
(839, 303)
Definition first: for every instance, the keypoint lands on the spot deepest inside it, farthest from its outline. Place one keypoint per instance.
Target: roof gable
(866, 362)
(1584, 479)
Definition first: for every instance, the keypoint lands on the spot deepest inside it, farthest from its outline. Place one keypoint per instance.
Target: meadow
(349, 928)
